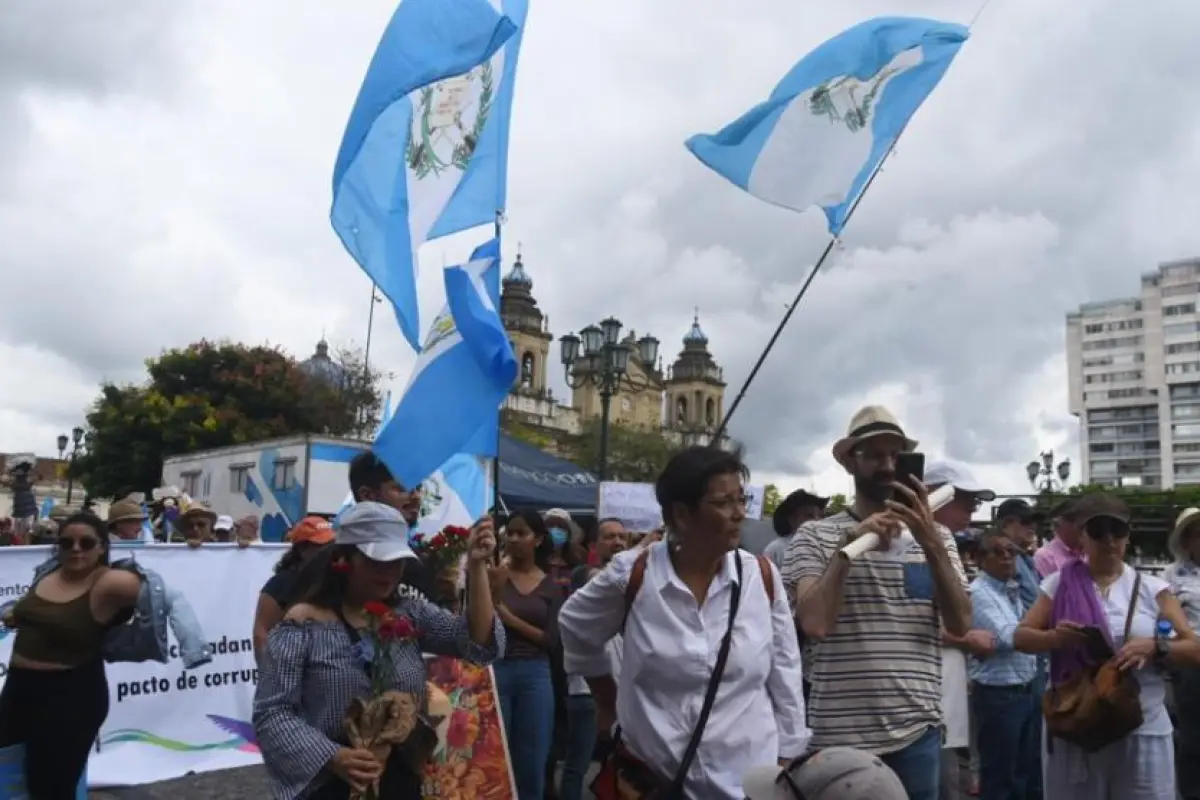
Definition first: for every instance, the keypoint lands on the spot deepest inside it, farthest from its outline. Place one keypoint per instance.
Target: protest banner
(471, 759)
(165, 722)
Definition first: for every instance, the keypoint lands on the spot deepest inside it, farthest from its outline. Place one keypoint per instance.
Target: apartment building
(1134, 382)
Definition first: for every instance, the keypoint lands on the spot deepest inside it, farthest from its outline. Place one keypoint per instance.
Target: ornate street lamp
(598, 357)
(1045, 476)
(77, 440)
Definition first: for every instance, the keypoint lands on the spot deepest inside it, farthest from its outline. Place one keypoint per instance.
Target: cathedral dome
(517, 276)
(695, 335)
(323, 368)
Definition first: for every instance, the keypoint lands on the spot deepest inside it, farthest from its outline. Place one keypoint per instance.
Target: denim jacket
(144, 638)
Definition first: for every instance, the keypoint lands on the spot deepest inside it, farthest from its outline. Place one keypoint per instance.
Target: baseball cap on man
(1100, 504)
(1015, 508)
(378, 531)
(223, 523)
(835, 773)
(311, 530)
(958, 475)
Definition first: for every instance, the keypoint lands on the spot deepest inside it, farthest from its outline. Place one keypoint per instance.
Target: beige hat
(125, 511)
(867, 422)
(1187, 519)
(198, 509)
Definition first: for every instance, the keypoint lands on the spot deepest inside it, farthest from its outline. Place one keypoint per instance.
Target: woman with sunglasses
(277, 594)
(56, 695)
(1105, 593)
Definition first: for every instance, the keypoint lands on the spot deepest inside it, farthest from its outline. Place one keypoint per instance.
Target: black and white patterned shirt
(309, 676)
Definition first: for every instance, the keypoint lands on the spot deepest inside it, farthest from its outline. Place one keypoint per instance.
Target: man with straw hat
(125, 521)
(877, 672)
(196, 522)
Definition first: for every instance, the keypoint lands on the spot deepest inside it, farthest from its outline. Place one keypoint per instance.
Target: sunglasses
(84, 544)
(1105, 527)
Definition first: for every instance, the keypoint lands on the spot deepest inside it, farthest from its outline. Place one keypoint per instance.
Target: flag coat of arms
(833, 118)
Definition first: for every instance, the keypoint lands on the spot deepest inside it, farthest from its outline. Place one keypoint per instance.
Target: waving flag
(425, 151)
(831, 120)
(463, 374)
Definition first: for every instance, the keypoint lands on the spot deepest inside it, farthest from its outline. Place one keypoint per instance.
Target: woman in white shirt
(1141, 765)
(673, 602)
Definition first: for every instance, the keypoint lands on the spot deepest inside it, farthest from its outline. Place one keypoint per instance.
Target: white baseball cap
(958, 475)
(378, 531)
(835, 773)
(224, 523)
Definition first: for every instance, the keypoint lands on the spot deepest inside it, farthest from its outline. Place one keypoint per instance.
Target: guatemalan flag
(831, 120)
(425, 153)
(464, 371)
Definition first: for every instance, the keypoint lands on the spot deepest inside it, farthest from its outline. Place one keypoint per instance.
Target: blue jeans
(527, 704)
(919, 765)
(1009, 742)
(581, 741)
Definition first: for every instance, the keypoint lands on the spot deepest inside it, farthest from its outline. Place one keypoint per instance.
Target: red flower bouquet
(445, 549)
(387, 718)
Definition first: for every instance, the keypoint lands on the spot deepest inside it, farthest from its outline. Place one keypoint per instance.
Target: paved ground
(248, 783)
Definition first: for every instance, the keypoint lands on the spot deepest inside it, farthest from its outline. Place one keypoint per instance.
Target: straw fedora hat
(868, 422)
(199, 509)
(1187, 519)
(125, 511)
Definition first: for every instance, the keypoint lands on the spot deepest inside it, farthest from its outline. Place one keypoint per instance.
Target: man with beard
(877, 672)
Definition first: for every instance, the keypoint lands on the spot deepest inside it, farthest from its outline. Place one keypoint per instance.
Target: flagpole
(833, 240)
(499, 411)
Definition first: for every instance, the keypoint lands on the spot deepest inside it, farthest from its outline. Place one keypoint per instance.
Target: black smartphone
(908, 466)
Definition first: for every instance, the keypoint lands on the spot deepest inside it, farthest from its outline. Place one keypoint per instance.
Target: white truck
(277, 480)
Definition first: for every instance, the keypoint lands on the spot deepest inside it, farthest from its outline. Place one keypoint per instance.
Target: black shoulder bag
(623, 777)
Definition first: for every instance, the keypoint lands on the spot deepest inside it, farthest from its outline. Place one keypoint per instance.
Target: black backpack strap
(675, 790)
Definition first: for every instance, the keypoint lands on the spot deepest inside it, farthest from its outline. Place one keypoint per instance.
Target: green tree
(837, 502)
(771, 499)
(634, 454)
(212, 395)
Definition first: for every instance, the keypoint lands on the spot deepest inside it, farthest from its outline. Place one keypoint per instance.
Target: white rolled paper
(869, 541)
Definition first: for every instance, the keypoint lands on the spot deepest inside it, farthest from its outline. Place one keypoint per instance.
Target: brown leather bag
(1100, 704)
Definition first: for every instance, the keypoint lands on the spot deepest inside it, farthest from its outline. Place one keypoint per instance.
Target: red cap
(311, 530)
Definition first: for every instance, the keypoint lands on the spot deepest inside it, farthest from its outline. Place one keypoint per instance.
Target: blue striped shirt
(997, 607)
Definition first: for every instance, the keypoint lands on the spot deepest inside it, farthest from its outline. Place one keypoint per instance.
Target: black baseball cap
(1016, 508)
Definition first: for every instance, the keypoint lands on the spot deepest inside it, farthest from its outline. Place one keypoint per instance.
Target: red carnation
(457, 532)
(377, 609)
(397, 628)
(439, 541)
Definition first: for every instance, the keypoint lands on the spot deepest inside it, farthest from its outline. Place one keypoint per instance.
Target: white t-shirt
(1145, 617)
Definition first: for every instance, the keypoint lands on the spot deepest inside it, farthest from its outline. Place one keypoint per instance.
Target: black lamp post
(598, 357)
(1044, 476)
(77, 440)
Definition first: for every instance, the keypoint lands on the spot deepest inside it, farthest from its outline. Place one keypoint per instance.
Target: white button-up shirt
(668, 655)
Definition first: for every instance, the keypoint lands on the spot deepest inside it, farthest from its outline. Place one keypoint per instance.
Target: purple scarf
(1075, 601)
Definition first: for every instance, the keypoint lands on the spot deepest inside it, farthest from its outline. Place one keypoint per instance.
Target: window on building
(1183, 347)
(527, 371)
(1179, 309)
(239, 478)
(1180, 329)
(1103, 447)
(1183, 368)
(1117, 341)
(1101, 469)
(191, 483)
(1118, 394)
(1186, 430)
(1181, 290)
(285, 475)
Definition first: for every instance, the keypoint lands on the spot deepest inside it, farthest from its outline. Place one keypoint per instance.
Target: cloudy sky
(165, 176)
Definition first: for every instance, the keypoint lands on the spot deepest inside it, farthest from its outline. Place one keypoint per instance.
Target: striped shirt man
(877, 676)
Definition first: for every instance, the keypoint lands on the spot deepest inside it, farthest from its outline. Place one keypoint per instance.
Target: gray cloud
(186, 195)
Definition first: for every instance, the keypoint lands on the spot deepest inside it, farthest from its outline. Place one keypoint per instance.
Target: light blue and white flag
(458, 493)
(147, 527)
(47, 507)
(465, 370)
(425, 153)
(832, 119)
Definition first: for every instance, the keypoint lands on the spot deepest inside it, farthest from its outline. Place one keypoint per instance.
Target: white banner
(635, 505)
(165, 721)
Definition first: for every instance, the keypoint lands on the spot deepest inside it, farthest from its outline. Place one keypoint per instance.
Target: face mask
(558, 536)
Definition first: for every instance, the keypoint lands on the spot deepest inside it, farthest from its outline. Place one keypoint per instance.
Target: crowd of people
(851, 660)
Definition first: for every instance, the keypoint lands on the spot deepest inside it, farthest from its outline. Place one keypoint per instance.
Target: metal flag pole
(499, 416)
(833, 240)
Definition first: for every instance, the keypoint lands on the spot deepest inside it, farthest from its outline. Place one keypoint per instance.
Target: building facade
(1134, 382)
(685, 402)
